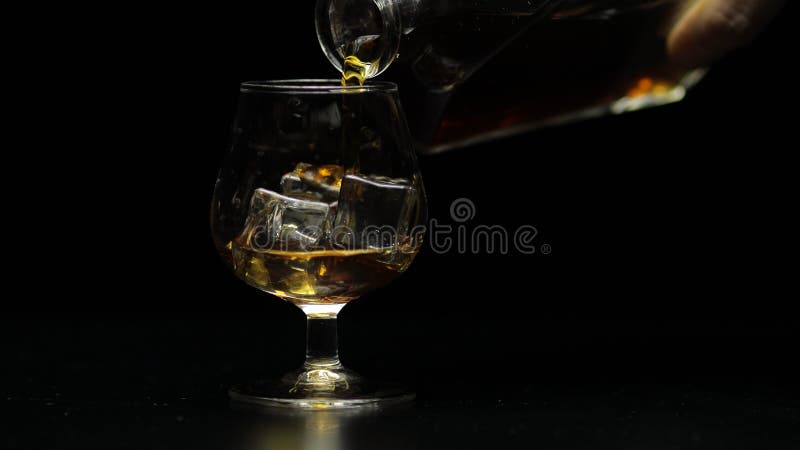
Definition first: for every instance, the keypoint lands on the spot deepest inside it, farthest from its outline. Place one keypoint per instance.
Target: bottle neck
(372, 31)
(414, 13)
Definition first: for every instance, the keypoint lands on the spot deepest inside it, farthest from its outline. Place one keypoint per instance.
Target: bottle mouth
(316, 86)
(367, 29)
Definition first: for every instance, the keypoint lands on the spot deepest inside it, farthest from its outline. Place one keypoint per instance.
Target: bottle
(474, 70)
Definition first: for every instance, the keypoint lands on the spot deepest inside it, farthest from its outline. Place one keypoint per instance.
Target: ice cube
(280, 222)
(330, 174)
(373, 212)
(315, 183)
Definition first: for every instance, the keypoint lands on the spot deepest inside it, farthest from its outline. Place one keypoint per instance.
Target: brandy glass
(319, 201)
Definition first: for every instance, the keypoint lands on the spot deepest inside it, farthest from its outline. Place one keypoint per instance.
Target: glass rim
(316, 86)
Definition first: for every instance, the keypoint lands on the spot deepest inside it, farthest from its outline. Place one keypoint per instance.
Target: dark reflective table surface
(92, 387)
(537, 416)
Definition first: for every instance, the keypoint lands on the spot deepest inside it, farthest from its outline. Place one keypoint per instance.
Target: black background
(672, 230)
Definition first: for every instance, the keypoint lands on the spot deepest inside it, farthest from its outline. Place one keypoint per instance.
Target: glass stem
(322, 344)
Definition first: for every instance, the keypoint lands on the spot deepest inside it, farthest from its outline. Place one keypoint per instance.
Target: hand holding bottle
(709, 29)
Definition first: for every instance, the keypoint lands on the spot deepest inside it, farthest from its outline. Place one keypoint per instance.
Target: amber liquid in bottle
(565, 68)
(471, 76)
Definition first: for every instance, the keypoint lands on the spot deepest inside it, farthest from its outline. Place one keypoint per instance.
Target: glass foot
(320, 388)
